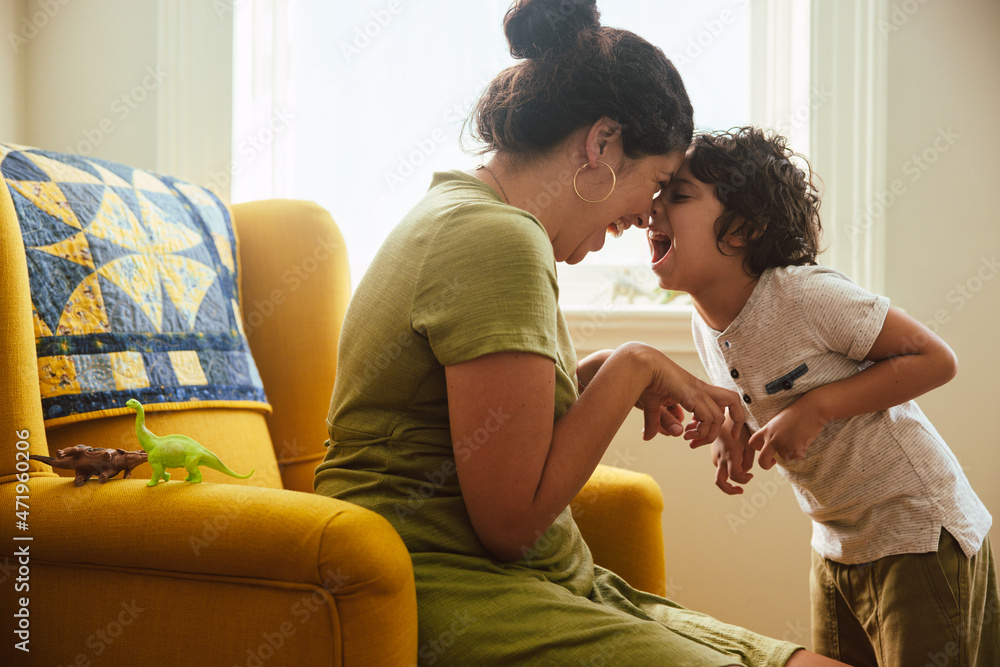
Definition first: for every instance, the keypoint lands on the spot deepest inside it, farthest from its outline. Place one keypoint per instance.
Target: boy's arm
(910, 360)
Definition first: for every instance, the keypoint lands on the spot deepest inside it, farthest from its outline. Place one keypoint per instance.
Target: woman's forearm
(633, 374)
(579, 439)
(524, 474)
(583, 433)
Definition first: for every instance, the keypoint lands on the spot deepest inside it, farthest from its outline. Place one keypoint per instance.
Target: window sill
(667, 327)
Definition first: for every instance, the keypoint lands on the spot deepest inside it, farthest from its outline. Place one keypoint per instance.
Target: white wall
(12, 73)
(142, 82)
(943, 73)
(90, 91)
(944, 232)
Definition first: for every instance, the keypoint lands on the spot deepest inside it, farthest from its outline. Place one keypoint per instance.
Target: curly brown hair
(772, 202)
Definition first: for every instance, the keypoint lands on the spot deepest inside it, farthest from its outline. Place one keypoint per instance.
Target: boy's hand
(731, 461)
(789, 434)
(732, 457)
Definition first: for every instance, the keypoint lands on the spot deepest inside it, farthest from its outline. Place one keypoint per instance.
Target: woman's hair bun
(535, 28)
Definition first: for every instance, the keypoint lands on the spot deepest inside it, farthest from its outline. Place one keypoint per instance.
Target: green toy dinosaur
(175, 451)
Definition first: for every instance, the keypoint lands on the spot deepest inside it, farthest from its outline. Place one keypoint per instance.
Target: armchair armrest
(618, 511)
(292, 569)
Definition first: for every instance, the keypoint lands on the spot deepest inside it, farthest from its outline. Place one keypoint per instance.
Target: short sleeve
(843, 316)
(487, 284)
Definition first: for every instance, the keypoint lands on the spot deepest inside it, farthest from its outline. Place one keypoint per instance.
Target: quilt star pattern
(134, 288)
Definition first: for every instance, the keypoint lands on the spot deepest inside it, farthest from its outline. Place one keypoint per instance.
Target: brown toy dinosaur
(90, 461)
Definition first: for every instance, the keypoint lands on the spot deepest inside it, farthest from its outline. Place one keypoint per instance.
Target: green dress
(464, 275)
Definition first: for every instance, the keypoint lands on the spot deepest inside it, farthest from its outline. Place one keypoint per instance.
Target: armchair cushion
(134, 288)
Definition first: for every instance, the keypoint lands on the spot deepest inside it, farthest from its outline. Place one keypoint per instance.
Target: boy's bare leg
(805, 658)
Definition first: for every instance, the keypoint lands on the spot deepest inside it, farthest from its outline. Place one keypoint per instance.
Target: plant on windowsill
(639, 286)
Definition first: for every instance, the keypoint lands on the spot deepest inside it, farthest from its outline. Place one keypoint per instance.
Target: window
(355, 105)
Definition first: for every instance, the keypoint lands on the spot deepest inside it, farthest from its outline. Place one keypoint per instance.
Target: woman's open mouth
(618, 227)
(659, 244)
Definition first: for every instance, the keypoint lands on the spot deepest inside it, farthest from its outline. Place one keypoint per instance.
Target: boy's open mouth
(659, 244)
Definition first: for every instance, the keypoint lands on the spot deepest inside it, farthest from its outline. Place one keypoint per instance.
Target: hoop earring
(614, 180)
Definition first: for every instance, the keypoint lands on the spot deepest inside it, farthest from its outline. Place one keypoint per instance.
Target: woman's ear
(604, 139)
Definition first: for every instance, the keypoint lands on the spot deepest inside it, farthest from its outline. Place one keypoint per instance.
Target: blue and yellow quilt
(134, 288)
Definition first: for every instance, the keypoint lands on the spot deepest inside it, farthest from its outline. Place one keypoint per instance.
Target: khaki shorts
(937, 609)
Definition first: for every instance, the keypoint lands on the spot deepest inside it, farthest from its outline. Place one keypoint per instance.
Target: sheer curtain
(265, 123)
(355, 105)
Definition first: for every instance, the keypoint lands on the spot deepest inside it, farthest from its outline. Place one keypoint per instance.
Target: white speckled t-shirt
(875, 485)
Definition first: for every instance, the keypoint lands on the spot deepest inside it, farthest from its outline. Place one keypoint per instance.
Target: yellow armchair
(231, 572)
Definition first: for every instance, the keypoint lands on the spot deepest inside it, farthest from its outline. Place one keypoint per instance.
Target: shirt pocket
(786, 382)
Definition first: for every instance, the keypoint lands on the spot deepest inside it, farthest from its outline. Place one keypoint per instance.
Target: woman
(456, 414)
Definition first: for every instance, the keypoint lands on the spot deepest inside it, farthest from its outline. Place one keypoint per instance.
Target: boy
(903, 573)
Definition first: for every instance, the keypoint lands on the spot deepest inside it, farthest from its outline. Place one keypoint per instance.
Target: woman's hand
(671, 419)
(671, 415)
(669, 386)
